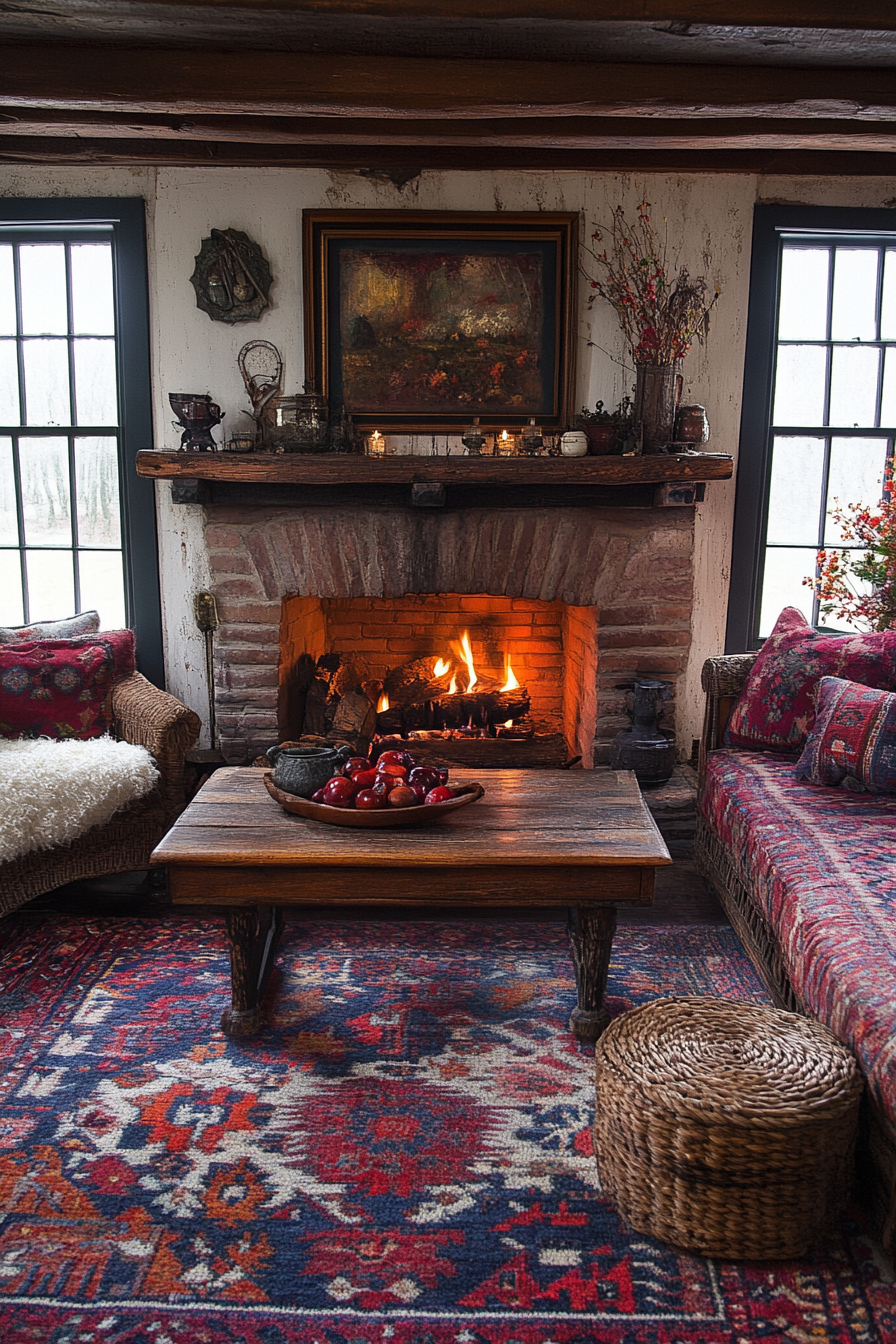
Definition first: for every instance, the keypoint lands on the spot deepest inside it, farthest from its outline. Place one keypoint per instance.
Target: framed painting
(426, 320)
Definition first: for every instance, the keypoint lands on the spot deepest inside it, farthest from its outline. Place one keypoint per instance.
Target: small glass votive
(376, 444)
(505, 444)
(240, 443)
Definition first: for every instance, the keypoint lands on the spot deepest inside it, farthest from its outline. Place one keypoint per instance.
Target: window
(77, 526)
(819, 409)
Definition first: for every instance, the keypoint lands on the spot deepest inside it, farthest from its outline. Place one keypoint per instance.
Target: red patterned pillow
(57, 687)
(854, 738)
(776, 708)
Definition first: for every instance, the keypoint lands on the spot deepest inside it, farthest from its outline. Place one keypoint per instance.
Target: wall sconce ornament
(232, 278)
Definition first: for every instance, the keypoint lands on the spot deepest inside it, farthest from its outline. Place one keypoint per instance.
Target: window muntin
(833, 404)
(60, 490)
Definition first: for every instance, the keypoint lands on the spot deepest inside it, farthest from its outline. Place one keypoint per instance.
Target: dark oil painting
(443, 331)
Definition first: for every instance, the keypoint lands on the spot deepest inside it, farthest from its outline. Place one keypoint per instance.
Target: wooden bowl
(424, 815)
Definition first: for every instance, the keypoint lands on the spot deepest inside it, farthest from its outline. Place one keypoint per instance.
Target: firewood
(355, 719)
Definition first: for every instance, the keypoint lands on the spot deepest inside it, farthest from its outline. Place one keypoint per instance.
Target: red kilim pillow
(57, 687)
(776, 708)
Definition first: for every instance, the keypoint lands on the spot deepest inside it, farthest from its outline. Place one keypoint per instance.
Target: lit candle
(376, 444)
(506, 444)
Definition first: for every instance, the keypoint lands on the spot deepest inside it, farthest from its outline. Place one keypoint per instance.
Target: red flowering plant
(859, 585)
(661, 314)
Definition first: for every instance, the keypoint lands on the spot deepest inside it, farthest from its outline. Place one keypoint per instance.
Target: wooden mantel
(338, 470)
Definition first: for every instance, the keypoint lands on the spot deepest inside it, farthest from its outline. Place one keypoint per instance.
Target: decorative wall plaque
(231, 277)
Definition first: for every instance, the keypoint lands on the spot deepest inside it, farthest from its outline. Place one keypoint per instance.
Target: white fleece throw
(52, 792)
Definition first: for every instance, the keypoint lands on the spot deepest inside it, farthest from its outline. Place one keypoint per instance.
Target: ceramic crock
(304, 770)
(574, 443)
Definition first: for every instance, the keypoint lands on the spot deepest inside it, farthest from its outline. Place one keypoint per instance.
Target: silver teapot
(304, 770)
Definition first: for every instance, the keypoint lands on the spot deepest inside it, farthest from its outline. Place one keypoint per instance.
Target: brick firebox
(634, 566)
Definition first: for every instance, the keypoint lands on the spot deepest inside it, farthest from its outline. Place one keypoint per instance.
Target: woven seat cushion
(52, 792)
(58, 687)
(776, 708)
(821, 865)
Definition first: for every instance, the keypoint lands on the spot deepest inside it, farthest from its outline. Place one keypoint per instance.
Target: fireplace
(616, 583)
(473, 678)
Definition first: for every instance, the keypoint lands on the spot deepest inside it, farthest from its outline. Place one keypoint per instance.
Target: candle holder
(376, 444)
(474, 440)
(531, 440)
(505, 444)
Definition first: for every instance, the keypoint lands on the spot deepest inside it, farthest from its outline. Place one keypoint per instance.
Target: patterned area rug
(404, 1155)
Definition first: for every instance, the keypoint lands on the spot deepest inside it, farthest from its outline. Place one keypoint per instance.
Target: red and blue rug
(404, 1154)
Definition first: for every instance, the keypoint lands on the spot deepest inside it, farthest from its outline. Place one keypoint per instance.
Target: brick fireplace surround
(634, 566)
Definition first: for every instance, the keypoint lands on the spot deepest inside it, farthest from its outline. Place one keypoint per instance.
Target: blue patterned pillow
(853, 739)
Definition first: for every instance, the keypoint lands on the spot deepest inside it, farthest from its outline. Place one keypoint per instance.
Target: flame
(440, 668)
(467, 655)
(452, 689)
(382, 703)
(508, 723)
(510, 681)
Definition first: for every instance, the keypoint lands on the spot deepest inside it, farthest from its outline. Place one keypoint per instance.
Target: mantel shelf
(335, 470)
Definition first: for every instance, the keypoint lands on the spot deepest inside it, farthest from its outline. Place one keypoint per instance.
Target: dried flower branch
(874, 529)
(661, 315)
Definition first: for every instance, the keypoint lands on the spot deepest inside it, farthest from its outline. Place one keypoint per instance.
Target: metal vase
(644, 748)
(657, 394)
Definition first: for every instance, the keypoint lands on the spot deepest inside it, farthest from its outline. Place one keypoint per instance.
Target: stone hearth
(634, 566)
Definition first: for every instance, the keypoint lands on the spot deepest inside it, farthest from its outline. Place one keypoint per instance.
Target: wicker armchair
(723, 678)
(150, 718)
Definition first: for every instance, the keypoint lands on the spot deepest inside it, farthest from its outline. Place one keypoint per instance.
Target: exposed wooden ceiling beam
(798, 13)
(573, 133)
(405, 161)
(278, 83)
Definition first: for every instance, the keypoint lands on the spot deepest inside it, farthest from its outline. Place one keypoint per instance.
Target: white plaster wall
(707, 220)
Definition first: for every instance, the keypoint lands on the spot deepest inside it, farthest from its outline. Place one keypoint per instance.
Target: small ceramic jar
(574, 443)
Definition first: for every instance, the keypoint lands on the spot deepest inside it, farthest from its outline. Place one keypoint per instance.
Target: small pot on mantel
(601, 438)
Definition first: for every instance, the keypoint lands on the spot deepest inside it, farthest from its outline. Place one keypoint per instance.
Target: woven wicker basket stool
(725, 1128)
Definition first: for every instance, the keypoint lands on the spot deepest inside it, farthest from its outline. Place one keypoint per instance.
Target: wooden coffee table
(539, 838)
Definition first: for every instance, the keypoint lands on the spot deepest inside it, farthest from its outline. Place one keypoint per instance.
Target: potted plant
(600, 430)
(661, 314)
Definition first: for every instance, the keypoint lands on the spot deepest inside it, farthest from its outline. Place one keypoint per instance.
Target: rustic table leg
(590, 929)
(253, 932)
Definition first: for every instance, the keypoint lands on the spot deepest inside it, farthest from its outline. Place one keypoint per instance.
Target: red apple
(365, 779)
(391, 768)
(385, 784)
(426, 775)
(392, 758)
(402, 796)
(438, 795)
(318, 797)
(418, 791)
(368, 800)
(339, 791)
(356, 763)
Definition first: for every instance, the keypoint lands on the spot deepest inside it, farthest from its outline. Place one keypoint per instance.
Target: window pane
(7, 292)
(888, 399)
(46, 502)
(854, 385)
(853, 314)
(102, 586)
(799, 385)
(856, 477)
(803, 314)
(9, 384)
(95, 397)
(47, 400)
(888, 299)
(96, 493)
(92, 308)
(783, 584)
(42, 277)
(9, 526)
(51, 585)
(794, 509)
(12, 612)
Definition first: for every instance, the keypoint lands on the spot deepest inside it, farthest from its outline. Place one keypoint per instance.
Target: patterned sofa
(807, 876)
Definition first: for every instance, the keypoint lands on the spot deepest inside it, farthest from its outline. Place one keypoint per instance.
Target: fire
(440, 668)
(382, 703)
(508, 723)
(510, 681)
(467, 655)
(452, 689)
